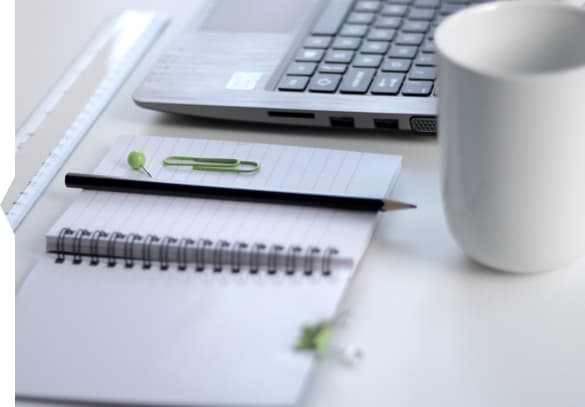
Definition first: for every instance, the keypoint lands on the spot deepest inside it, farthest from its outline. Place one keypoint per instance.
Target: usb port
(386, 124)
(346, 122)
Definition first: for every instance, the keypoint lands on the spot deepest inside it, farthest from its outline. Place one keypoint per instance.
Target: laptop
(365, 64)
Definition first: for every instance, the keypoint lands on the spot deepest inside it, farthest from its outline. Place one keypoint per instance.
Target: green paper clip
(212, 164)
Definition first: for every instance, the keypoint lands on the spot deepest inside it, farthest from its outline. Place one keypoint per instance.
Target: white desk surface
(436, 329)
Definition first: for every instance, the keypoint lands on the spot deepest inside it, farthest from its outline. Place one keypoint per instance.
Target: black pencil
(113, 184)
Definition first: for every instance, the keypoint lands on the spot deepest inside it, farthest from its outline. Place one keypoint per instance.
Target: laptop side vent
(423, 124)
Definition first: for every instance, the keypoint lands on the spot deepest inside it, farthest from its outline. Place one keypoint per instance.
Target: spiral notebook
(156, 300)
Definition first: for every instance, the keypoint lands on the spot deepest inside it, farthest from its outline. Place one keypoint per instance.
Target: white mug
(512, 133)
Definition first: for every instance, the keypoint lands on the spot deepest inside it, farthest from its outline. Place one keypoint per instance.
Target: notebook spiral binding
(224, 254)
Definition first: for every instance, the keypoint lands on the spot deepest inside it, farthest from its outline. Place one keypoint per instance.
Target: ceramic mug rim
(452, 22)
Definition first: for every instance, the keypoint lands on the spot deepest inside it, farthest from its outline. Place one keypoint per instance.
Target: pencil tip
(395, 205)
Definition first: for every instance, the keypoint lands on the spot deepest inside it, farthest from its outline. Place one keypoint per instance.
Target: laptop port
(293, 115)
(391, 124)
(346, 122)
(423, 124)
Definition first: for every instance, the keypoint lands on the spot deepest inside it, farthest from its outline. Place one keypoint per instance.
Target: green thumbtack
(136, 160)
(314, 337)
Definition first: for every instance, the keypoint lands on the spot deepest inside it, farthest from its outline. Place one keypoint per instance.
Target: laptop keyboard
(371, 47)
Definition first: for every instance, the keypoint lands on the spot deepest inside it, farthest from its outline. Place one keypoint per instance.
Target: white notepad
(193, 301)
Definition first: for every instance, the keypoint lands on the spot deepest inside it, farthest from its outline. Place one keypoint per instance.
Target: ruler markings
(146, 27)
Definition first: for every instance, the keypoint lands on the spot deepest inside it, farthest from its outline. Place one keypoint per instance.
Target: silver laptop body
(229, 62)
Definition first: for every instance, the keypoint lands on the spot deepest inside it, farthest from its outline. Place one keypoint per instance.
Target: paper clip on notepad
(212, 164)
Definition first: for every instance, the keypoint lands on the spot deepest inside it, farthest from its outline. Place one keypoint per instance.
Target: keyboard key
(318, 42)
(426, 3)
(409, 39)
(332, 17)
(417, 88)
(421, 14)
(428, 59)
(387, 83)
(294, 83)
(367, 61)
(375, 47)
(415, 26)
(302, 68)
(324, 83)
(450, 8)
(364, 5)
(438, 20)
(458, 1)
(423, 73)
(387, 22)
(402, 51)
(399, 1)
(353, 30)
(381, 34)
(339, 56)
(396, 65)
(431, 33)
(357, 80)
(309, 55)
(428, 46)
(333, 68)
(397, 10)
(350, 43)
(360, 18)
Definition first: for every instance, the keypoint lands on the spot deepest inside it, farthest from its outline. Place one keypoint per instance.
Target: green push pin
(136, 160)
(315, 337)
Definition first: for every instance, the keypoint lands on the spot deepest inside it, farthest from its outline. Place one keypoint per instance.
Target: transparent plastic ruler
(52, 131)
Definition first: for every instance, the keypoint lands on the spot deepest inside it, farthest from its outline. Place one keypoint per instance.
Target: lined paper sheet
(283, 168)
